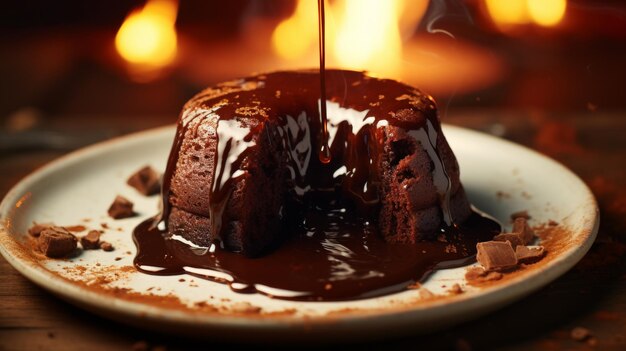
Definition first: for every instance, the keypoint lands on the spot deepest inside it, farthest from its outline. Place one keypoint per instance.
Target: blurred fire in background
(147, 39)
(545, 13)
(143, 59)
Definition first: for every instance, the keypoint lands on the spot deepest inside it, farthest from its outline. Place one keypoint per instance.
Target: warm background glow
(360, 34)
(515, 12)
(148, 37)
(547, 12)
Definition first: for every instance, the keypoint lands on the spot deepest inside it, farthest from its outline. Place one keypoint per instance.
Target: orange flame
(545, 13)
(147, 38)
(360, 34)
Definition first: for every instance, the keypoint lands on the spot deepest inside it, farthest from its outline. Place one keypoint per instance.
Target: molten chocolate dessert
(247, 200)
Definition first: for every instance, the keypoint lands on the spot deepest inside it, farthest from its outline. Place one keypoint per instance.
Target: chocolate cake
(244, 165)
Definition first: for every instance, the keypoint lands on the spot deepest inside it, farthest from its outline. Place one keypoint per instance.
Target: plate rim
(497, 295)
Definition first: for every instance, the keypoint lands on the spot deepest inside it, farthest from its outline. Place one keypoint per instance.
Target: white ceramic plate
(500, 178)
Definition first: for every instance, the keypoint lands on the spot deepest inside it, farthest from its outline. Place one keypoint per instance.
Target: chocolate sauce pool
(331, 256)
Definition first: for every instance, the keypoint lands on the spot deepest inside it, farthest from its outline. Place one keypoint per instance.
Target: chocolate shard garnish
(121, 208)
(56, 242)
(496, 255)
(521, 227)
(91, 241)
(146, 181)
(513, 238)
(37, 228)
(525, 253)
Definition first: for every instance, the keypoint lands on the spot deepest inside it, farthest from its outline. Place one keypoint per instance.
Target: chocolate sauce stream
(324, 154)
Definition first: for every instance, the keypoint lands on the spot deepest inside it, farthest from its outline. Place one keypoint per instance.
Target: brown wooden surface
(592, 295)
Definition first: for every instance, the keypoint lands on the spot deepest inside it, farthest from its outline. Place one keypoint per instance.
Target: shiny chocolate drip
(359, 107)
(324, 153)
(330, 256)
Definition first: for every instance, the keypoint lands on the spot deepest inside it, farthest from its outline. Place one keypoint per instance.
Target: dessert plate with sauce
(500, 178)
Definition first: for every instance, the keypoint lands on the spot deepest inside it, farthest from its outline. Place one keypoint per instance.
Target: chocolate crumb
(552, 223)
(104, 226)
(75, 228)
(455, 290)
(91, 241)
(503, 195)
(106, 246)
(181, 280)
(496, 255)
(140, 346)
(37, 228)
(121, 208)
(415, 285)
(480, 275)
(520, 214)
(146, 181)
(426, 294)
(580, 334)
(245, 307)
(513, 238)
(56, 242)
(118, 258)
(525, 253)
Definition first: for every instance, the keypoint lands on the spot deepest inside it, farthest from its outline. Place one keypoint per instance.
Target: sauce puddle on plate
(330, 256)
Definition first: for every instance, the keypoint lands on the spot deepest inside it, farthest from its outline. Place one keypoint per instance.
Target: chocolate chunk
(513, 238)
(91, 241)
(106, 246)
(146, 181)
(37, 228)
(121, 208)
(580, 334)
(56, 242)
(245, 307)
(496, 255)
(521, 227)
(525, 253)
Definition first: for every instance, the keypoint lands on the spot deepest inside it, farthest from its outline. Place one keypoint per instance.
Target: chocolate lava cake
(244, 165)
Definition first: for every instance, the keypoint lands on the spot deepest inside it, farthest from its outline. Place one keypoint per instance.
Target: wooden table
(592, 295)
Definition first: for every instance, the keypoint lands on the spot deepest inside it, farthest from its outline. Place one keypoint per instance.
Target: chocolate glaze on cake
(244, 176)
(245, 158)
